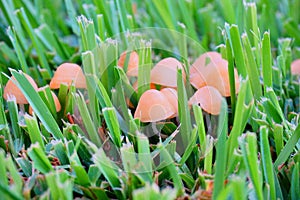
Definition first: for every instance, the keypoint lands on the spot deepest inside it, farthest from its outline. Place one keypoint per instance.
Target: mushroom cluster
(208, 74)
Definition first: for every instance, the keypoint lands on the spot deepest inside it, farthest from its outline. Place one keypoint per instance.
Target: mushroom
(153, 106)
(209, 99)
(12, 90)
(165, 72)
(295, 67)
(68, 73)
(133, 63)
(171, 95)
(213, 73)
(56, 101)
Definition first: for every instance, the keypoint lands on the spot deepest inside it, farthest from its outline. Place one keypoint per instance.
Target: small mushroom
(153, 106)
(295, 67)
(165, 72)
(209, 99)
(68, 73)
(133, 63)
(213, 73)
(12, 90)
(56, 101)
(205, 59)
(171, 95)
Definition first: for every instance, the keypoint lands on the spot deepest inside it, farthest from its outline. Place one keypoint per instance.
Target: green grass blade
(267, 161)
(37, 104)
(221, 150)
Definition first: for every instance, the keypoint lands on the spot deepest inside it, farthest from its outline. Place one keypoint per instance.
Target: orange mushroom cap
(215, 74)
(133, 63)
(56, 101)
(153, 106)
(204, 59)
(12, 90)
(295, 67)
(68, 73)
(165, 72)
(209, 99)
(171, 95)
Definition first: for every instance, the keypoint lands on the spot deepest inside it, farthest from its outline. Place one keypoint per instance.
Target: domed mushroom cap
(205, 59)
(165, 72)
(171, 95)
(295, 67)
(214, 74)
(12, 90)
(68, 73)
(133, 63)
(153, 106)
(209, 99)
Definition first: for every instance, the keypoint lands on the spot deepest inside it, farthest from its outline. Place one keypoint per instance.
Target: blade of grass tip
(295, 193)
(266, 61)
(36, 43)
(252, 69)
(144, 69)
(39, 158)
(249, 149)
(87, 120)
(288, 148)
(267, 161)
(278, 138)
(252, 29)
(33, 130)
(37, 104)
(231, 76)
(201, 127)
(101, 27)
(20, 54)
(221, 149)
(183, 110)
(104, 10)
(237, 50)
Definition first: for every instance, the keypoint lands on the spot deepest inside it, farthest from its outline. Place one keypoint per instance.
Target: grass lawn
(154, 99)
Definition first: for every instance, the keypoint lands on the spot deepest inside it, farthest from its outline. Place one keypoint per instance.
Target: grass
(94, 148)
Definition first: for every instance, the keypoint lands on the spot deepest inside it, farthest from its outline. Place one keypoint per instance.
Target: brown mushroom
(68, 73)
(12, 90)
(209, 99)
(214, 73)
(133, 63)
(171, 95)
(153, 106)
(165, 72)
(295, 67)
(56, 101)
